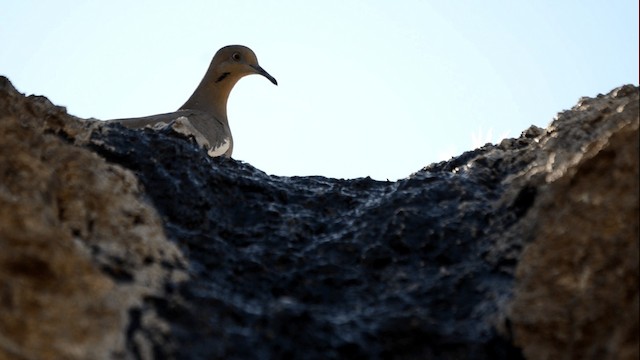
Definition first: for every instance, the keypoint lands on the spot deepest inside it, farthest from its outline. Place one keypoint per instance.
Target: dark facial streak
(224, 75)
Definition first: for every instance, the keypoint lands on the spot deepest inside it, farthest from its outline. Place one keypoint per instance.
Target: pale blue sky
(367, 88)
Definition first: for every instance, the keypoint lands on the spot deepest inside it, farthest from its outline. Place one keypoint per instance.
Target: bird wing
(207, 130)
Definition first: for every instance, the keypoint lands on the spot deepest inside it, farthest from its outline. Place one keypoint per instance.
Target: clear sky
(367, 88)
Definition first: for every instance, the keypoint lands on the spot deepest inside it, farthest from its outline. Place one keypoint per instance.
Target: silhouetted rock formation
(118, 243)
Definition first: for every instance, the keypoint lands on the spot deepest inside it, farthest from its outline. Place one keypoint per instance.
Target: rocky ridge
(118, 243)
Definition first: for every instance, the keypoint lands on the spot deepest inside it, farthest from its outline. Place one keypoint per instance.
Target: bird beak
(264, 73)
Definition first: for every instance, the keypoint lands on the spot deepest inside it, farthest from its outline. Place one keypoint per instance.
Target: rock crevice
(145, 247)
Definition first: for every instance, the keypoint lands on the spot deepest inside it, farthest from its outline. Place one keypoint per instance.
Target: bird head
(237, 61)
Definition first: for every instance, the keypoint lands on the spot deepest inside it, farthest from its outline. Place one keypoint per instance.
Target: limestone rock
(80, 249)
(577, 282)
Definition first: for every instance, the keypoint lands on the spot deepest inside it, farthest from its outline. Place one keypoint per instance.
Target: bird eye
(236, 56)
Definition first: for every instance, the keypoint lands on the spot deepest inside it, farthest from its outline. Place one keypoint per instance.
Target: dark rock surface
(525, 248)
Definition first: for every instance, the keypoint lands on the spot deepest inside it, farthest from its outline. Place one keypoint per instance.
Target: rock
(577, 282)
(118, 243)
(81, 250)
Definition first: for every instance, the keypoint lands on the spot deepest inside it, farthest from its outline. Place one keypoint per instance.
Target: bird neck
(212, 94)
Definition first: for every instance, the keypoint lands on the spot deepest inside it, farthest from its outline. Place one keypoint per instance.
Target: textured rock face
(80, 250)
(577, 282)
(117, 243)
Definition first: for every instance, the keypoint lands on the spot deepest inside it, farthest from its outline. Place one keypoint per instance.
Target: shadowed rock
(525, 247)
